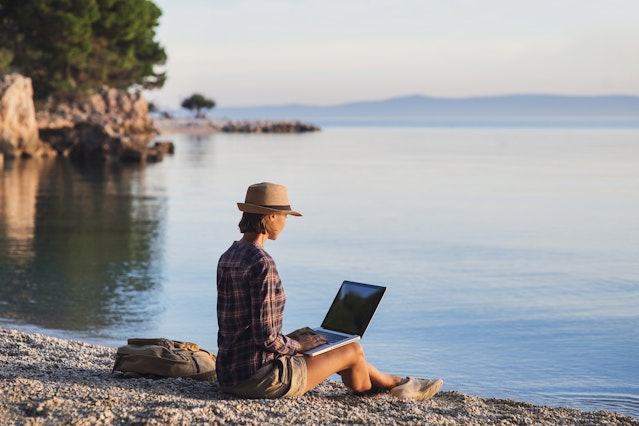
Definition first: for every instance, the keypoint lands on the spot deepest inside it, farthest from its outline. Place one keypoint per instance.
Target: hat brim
(254, 208)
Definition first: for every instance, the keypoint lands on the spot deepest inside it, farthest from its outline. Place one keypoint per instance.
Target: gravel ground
(49, 381)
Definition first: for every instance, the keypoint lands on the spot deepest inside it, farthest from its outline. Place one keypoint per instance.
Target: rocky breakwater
(207, 126)
(109, 125)
(243, 126)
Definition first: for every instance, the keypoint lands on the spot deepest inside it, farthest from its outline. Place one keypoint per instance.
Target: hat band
(283, 208)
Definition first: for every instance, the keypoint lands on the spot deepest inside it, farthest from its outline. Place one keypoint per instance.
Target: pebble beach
(50, 381)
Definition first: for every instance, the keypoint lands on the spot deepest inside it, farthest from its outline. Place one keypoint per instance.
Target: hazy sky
(326, 52)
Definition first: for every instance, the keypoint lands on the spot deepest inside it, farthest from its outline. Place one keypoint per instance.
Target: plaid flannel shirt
(250, 308)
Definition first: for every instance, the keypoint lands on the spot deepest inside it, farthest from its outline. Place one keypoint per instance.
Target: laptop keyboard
(332, 337)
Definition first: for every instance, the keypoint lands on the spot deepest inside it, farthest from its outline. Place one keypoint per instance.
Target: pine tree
(71, 47)
(198, 102)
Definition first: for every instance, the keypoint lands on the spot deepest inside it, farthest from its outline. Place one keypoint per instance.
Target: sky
(329, 52)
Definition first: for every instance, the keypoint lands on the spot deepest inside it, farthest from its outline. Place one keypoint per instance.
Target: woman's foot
(418, 389)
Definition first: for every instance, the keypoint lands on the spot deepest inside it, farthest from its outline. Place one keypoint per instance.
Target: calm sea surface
(511, 256)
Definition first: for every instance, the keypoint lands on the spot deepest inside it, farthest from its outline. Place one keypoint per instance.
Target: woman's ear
(269, 219)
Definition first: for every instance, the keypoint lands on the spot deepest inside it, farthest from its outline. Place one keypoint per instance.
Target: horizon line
(417, 95)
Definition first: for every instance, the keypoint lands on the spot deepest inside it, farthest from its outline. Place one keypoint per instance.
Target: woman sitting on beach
(255, 360)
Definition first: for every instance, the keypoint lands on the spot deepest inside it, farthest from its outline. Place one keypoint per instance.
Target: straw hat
(267, 198)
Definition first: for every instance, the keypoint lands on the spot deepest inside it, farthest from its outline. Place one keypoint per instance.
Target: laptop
(349, 315)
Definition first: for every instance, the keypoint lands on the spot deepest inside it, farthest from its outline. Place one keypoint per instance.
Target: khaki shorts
(285, 376)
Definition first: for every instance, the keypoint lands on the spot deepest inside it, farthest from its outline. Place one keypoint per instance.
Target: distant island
(418, 108)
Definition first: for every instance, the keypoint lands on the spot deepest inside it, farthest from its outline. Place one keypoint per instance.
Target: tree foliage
(6, 57)
(198, 102)
(70, 47)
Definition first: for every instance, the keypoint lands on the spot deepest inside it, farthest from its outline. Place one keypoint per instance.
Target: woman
(255, 360)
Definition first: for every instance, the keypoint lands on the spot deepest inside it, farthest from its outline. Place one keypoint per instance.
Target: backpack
(161, 358)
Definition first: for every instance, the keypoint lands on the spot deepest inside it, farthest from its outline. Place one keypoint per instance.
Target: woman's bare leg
(350, 363)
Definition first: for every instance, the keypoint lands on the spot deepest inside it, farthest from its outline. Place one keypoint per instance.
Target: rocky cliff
(18, 127)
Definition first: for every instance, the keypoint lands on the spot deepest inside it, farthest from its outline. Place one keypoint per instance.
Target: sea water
(511, 255)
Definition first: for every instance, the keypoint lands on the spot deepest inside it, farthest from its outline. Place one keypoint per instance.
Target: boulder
(18, 126)
(165, 147)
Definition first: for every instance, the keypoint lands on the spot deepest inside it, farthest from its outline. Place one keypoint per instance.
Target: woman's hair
(253, 222)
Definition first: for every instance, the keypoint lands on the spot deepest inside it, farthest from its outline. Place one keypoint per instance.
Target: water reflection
(78, 244)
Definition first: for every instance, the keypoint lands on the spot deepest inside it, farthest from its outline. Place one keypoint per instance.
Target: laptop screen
(353, 307)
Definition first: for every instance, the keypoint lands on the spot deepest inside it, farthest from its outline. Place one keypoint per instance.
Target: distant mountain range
(417, 108)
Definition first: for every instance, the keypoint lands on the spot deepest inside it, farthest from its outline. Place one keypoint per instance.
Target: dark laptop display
(349, 315)
(353, 308)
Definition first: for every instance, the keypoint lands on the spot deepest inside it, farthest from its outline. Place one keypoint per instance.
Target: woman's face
(276, 224)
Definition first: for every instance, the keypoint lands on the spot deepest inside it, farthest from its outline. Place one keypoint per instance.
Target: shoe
(417, 389)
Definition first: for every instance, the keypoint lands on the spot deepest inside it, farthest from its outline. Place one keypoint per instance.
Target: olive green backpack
(160, 358)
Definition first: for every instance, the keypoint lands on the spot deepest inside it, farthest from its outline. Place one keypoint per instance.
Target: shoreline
(47, 380)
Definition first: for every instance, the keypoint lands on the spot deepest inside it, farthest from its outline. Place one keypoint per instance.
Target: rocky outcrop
(18, 127)
(110, 125)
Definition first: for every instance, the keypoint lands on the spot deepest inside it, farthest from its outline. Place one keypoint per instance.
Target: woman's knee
(355, 352)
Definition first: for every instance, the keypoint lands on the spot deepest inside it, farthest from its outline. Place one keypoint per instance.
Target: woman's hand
(307, 338)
